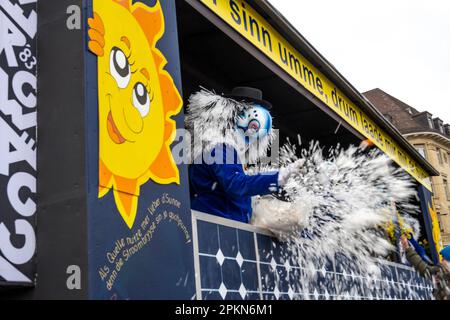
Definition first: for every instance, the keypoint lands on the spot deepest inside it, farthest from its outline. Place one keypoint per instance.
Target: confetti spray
(334, 210)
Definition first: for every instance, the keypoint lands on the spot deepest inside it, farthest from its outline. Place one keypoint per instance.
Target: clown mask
(254, 124)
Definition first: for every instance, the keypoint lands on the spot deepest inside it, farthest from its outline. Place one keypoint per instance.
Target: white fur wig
(212, 118)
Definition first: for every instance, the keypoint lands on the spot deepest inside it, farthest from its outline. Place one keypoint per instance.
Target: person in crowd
(419, 249)
(440, 273)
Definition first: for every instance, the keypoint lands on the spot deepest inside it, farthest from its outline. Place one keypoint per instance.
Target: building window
(445, 157)
(447, 193)
(421, 149)
(439, 154)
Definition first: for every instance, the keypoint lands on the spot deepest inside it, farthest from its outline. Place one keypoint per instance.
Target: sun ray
(172, 99)
(126, 194)
(127, 206)
(105, 180)
(151, 20)
(164, 170)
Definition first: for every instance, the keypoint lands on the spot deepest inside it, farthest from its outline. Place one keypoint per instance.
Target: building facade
(431, 137)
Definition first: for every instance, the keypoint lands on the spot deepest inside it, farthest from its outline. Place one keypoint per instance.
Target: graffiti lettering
(18, 23)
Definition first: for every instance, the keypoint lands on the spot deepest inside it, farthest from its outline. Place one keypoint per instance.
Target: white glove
(286, 172)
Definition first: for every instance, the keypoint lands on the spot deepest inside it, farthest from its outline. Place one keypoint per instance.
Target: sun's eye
(141, 99)
(119, 67)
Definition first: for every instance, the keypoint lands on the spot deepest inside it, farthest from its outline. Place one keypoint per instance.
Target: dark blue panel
(208, 239)
(390, 286)
(342, 263)
(417, 279)
(294, 261)
(250, 276)
(343, 285)
(389, 273)
(231, 274)
(267, 278)
(211, 295)
(282, 279)
(211, 276)
(325, 284)
(247, 245)
(228, 241)
(296, 280)
(233, 296)
(329, 265)
(252, 296)
(403, 275)
(269, 297)
(280, 252)
(264, 248)
(355, 285)
(404, 278)
(376, 290)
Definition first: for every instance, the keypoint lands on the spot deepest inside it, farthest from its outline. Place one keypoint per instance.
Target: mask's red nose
(254, 125)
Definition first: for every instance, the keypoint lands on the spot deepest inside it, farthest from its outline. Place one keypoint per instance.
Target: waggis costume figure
(230, 132)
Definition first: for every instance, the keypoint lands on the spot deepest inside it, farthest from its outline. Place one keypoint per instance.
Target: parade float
(95, 204)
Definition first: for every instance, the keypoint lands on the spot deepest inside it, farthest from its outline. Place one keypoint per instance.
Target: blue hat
(446, 253)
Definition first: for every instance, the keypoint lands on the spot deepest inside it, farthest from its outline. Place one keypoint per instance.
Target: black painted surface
(61, 217)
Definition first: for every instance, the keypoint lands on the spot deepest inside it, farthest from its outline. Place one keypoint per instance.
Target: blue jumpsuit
(223, 189)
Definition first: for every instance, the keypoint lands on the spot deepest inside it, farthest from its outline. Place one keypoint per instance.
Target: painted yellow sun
(136, 100)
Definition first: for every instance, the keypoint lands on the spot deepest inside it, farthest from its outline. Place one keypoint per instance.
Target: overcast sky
(399, 46)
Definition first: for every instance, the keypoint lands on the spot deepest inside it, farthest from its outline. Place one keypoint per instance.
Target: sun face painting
(136, 100)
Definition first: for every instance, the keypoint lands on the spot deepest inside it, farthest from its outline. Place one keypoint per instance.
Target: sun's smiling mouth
(114, 133)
